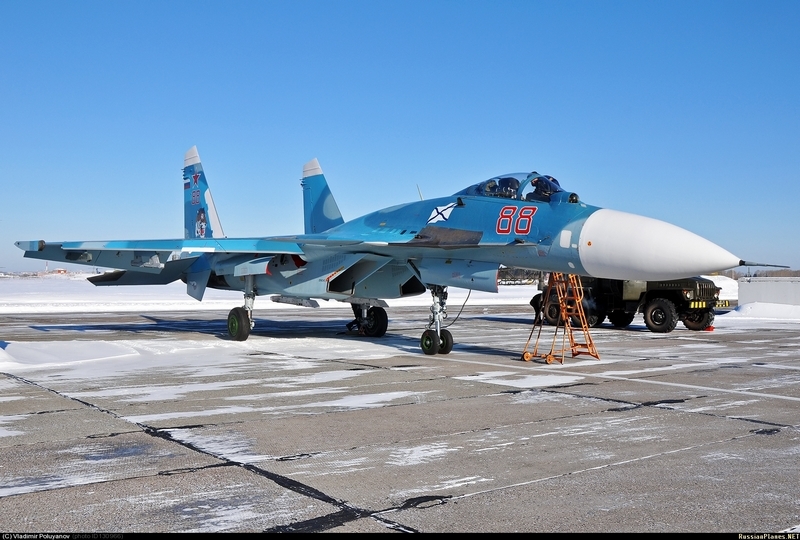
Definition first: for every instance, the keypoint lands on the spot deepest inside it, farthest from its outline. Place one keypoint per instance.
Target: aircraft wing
(195, 245)
(151, 256)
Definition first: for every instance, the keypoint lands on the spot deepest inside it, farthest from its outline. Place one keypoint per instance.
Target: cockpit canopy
(521, 186)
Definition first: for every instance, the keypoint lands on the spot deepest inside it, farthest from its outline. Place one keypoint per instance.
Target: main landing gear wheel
(376, 323)
(240, 320)
(239, 324)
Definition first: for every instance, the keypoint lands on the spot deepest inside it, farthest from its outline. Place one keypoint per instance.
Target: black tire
(620, 319)
(445, 341)
(600, 317)
(552, 311)
(238, 324)
(699, 320)
(594, 316)
(376, 323)
(660, 316)
(429, 342)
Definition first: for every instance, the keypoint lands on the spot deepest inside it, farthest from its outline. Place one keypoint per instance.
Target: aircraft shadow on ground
(285, 329)
(529, 323)
(202, 326)
(289, 329)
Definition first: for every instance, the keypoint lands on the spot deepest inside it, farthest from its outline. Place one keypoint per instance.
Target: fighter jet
(523, 220)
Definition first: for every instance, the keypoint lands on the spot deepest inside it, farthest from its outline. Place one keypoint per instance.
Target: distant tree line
(523, 274)
(780, 272)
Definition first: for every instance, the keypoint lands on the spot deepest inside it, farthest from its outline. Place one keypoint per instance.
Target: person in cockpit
(508, 187)
(542, 189)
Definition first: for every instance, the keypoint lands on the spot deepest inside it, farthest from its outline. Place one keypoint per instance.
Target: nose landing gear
(437, 340)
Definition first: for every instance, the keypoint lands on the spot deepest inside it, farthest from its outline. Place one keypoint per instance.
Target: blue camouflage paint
(321, 212)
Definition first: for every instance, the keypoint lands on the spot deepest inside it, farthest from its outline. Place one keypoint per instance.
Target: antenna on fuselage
(420, 193)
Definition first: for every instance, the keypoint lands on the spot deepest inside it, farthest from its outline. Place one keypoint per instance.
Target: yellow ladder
(569, 292)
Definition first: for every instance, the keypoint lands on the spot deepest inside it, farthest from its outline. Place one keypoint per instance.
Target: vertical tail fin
(200, 219)
(319, 207)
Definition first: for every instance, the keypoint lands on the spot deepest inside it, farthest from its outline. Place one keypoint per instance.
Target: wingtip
(312, 168)
(30, 245)
(191, 157)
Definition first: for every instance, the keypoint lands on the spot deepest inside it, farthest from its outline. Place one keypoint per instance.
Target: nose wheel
(437, 340)
(430, 343)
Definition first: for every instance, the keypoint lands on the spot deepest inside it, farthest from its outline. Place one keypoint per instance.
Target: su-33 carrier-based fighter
(523, 220)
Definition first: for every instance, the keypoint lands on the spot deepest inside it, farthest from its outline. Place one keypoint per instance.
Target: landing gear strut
(240, 319)
(437, 340)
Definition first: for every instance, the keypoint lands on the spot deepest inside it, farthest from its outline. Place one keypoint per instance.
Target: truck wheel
(660, 316)
(698, 320)
(552, 311)
(594, 317)
(620, 319)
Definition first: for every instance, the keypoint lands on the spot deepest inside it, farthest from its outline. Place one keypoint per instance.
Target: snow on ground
(69, 364)
(730, 287)
(79, 359)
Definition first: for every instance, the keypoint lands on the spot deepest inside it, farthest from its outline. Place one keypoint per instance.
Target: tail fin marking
(200, 219)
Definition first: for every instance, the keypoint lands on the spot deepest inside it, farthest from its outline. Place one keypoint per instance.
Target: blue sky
(683, 111)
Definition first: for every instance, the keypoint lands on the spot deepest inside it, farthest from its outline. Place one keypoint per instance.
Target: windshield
(522, 186)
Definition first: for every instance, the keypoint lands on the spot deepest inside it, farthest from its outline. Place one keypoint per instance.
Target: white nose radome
(618, 245)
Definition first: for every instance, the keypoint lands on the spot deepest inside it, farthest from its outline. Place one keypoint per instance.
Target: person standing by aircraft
(536, 304)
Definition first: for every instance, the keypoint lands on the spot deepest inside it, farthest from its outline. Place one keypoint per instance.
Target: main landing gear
(371, 321)
(437, 340)
(240, 319)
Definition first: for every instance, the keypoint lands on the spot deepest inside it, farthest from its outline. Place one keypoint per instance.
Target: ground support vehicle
(662, 303)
